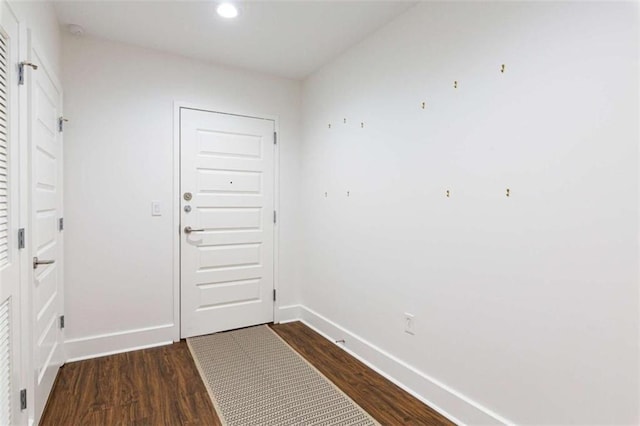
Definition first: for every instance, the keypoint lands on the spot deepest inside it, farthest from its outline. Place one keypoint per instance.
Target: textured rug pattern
(255, 378)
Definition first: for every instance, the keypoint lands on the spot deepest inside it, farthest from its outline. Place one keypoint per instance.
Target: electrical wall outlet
(409, 324)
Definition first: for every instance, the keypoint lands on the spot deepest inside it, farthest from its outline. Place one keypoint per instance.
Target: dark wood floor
(386, 402)
(161, 386)
(158, 386)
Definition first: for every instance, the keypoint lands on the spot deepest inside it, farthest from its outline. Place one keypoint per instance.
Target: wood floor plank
(161, 386)
(384, 401)
(158, 386)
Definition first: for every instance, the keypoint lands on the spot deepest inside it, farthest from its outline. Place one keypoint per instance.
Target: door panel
(227, 165)
(248, 218)
(46, 239)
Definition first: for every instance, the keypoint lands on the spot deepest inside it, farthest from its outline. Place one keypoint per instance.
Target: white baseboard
(289, 313)
(448, 402)
(122, 341)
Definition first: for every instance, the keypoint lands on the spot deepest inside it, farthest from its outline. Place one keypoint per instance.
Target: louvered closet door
(10, 303)
(4, 157)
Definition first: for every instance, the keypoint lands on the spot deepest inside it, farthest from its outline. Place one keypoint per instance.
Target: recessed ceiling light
(227, 10)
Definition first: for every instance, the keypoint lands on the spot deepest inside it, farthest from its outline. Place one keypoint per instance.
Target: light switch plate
(156, 208)
(409, 323)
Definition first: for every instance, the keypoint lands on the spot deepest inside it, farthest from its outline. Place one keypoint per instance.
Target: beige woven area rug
(255, 378)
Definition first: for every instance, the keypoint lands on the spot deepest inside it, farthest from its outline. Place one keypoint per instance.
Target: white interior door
(10, 297)
(227, 221)
(45, 109)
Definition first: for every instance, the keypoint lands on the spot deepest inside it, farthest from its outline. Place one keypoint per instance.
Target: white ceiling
(285, 38)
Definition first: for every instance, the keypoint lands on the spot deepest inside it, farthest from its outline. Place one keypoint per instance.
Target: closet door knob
(37, 262)
(188, 230)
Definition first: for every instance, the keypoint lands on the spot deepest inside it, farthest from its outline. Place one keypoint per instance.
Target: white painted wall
(119, 157)
(527, 305)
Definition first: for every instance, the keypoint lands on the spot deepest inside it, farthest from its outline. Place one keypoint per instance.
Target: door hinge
(23, 399)
(275, 218)
(61, 321)
(274, 294)
(21, 66)
(61, 122)
(61, 224)
(21, 238)
(275, 138)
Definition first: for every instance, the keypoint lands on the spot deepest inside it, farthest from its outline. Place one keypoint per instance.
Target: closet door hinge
(23, 399)
(274, 294)
(61, 321)
(61, 122)
(275, 138)
(275, 217)
(61, 224)
(21, 238)
(21, 66)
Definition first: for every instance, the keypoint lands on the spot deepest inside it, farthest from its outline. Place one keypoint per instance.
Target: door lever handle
(188, 230)
(37, 262)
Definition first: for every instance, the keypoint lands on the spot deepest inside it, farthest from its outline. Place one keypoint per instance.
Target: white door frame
(25, 213)
(177, 234)
(18, 156)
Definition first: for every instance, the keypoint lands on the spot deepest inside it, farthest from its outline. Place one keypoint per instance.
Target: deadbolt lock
(188, 196)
